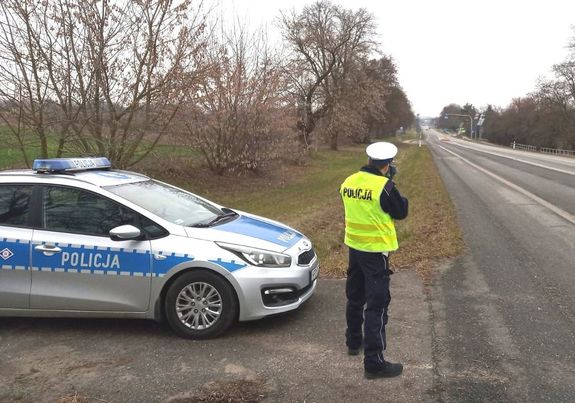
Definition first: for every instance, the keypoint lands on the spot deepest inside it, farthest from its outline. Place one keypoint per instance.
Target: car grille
(306, 257)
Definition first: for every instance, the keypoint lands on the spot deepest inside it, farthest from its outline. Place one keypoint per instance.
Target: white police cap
(381, 150)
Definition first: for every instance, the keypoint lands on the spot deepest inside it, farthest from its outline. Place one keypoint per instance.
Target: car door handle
(48, 250)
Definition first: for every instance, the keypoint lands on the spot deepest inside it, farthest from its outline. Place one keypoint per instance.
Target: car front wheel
(200, 305)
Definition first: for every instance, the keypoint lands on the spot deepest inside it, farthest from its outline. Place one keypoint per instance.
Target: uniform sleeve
(393, 203)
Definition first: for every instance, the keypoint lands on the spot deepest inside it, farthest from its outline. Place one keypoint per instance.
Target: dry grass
(306, 198)
(236, 391)
(75, 398)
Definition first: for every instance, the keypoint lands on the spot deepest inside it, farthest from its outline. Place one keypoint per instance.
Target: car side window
(83, 212)
(15, 204)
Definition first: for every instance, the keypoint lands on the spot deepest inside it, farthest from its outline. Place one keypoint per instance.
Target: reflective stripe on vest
(367, 227)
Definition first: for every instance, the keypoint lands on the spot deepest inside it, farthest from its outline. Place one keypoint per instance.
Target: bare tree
(24, 89)
(235, 119)
(544, 118)
(325, 40)
(103, 77)
(371, 103)
(357, 95)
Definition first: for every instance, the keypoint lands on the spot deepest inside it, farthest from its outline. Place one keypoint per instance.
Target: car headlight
(257, 257)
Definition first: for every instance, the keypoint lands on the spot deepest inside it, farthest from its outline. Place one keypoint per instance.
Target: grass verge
(431, 232)
(307, 199)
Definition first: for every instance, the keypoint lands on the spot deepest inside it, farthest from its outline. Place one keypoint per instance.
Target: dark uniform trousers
(368, 297)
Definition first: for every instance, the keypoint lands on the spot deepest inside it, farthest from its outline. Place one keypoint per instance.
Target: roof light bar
(70, 164)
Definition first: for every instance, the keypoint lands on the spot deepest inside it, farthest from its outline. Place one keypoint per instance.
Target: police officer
(372, 203)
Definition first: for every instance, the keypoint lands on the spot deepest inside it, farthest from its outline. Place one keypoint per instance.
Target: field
(11, 156)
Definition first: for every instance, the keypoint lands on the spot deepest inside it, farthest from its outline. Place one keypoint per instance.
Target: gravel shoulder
(295, 357)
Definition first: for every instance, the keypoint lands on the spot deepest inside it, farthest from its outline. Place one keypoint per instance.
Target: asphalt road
(504, 313)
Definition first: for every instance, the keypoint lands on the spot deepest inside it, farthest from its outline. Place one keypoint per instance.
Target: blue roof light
(71, 164)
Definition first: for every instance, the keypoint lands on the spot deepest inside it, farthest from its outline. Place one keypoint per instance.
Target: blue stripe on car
(229, 265)
(131, 261)
(161, 267)
(261, 230)
(19, 253)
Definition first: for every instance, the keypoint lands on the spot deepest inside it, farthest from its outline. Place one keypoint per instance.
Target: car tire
(200, 305)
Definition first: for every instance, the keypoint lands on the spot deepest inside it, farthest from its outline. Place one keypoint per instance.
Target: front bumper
(267, 291)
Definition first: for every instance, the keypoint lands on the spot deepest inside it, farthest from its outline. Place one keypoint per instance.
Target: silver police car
(80, 239)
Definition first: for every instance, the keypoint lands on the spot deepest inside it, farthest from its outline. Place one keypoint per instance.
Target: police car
(80, 239)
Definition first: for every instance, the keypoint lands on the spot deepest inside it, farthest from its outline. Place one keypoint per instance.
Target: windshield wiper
(228, 213)
(222, 217)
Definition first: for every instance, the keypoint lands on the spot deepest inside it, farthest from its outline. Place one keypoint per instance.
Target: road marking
(515, 159)
(561, 213)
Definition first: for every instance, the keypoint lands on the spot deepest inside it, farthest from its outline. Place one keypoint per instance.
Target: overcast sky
(502, 46)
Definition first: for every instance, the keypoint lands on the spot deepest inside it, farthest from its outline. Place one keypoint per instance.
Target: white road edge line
(514, 159)
(561, 213)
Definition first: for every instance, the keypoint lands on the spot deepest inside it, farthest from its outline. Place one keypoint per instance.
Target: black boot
(386, 370)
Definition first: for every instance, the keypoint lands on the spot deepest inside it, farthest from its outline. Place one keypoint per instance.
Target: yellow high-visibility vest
(367, 227)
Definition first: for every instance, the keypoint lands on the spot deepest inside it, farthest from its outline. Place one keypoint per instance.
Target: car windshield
(171, 203)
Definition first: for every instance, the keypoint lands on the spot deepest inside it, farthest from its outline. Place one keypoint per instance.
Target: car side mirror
(125, 233)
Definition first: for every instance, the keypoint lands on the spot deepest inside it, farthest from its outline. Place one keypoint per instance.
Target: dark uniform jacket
(392, 202)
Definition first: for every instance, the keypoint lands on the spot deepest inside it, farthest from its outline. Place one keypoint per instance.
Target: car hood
(250, 230)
